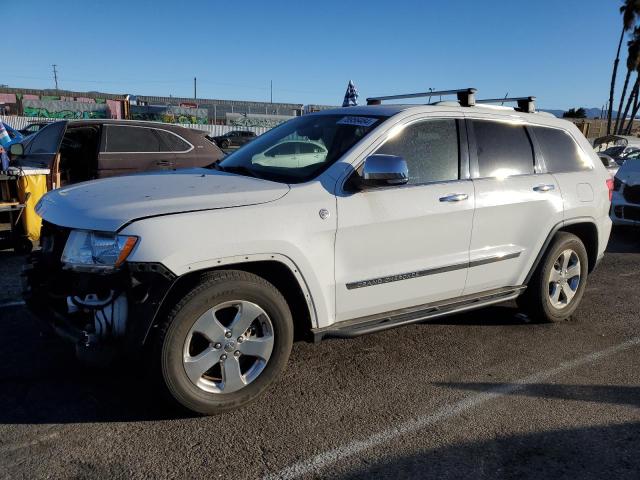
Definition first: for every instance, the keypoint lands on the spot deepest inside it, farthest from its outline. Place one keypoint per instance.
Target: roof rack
(466, 96)
(525, 104)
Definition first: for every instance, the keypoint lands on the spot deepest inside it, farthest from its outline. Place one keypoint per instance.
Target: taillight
(610, 187)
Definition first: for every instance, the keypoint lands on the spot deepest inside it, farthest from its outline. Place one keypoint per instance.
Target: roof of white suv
(389, 110)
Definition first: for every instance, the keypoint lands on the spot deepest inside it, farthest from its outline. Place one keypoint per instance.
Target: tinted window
(132, 139)
(503, 149)
(560, 152)
(614, 151)
(47, 140)
(430, 149)
(173, 142)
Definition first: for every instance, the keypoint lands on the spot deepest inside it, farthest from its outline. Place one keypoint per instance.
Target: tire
(224, 144)
(232, 296)
(539, 299)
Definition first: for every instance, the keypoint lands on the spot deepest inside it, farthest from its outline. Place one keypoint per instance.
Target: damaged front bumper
(96, 311)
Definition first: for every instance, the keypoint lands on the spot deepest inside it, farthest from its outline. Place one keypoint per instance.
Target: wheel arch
(278, 271)
(584, 228)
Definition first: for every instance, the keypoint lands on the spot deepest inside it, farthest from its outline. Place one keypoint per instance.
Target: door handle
(544, 188)
(454, 197)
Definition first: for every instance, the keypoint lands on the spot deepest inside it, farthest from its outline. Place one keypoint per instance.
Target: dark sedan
(235, 138)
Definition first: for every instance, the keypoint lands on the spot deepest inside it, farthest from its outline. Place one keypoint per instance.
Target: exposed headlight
(100, 250)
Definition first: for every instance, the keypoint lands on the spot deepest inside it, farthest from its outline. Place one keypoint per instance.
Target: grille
(631, 193)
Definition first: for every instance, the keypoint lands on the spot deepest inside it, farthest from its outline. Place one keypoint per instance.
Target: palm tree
(630, 11)
(633, 61)
(613, 81)
(632, 98)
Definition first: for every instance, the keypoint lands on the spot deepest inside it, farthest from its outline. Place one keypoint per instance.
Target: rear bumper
(624, 212)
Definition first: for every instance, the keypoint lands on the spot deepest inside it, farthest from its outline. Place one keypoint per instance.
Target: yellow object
(36, 185)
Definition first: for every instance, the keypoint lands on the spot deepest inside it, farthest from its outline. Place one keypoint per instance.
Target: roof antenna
(506, 95)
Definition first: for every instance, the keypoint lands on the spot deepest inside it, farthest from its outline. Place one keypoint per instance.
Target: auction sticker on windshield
(357, 121)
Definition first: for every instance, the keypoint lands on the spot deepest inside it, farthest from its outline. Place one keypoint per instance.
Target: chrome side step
(405, 316)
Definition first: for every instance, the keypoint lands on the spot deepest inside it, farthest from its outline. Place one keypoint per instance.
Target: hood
(629, 172)
(110, 203)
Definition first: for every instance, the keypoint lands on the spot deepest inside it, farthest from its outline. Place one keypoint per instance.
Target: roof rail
(466, 96)
(525, 104)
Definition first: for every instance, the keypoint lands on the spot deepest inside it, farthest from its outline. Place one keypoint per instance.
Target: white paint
(323, 460)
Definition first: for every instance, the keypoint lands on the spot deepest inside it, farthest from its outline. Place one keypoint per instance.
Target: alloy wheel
(228, 347)
(564, 279)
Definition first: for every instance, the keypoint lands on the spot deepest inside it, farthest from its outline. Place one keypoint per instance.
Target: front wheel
(225, 342)
(557, 286)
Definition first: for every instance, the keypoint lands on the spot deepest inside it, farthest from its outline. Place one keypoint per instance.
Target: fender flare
(552, 234)
(229, 262)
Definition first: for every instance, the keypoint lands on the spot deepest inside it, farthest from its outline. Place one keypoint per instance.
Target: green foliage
(575, 113)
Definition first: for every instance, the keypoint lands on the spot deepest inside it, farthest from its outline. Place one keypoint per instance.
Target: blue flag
(351, 96)
(4, 135)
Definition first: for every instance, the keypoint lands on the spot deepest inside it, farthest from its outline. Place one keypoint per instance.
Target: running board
(405, 316)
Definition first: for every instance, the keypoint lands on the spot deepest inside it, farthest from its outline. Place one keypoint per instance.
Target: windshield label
(357, 121)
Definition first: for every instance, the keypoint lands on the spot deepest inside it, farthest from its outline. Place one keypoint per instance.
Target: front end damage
(105, 314)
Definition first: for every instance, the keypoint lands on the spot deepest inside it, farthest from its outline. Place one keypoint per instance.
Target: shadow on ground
(624, 240)
(42, 382)
(609, 451)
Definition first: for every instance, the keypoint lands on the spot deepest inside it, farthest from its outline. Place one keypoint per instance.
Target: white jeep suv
(408, 212)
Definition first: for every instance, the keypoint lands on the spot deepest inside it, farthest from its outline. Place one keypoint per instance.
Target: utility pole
(271, 88)
(195, 88)
(55, 75)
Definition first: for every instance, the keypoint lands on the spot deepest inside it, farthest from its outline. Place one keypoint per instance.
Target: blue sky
(561, 51)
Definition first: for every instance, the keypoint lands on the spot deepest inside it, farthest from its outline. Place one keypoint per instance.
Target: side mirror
(16, 150)
(383, 171)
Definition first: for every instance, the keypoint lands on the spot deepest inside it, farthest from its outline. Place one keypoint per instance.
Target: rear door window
(560, 152)
(130, 139)
(503, 149)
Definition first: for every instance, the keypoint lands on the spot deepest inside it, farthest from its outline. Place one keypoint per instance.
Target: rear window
(173, 142)
(560, 152)
(126, 139)
(503, 149)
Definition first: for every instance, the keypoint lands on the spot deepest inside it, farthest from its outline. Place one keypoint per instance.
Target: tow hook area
(109, 317)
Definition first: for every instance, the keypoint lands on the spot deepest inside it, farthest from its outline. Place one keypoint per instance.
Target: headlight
(100, 250)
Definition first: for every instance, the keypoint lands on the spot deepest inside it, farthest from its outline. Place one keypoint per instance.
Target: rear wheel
(557, 286)
(225, 342)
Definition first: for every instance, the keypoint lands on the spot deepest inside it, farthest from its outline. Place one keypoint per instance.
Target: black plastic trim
(547, 242)
(431, 271)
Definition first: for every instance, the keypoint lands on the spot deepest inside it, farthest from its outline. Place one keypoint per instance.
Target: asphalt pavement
(485, 394)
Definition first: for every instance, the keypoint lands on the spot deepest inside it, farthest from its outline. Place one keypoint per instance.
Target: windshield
(300, 149)
(614, 151)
